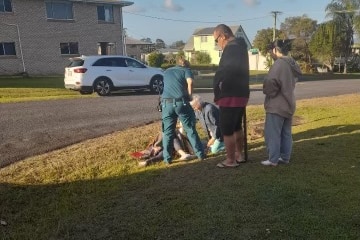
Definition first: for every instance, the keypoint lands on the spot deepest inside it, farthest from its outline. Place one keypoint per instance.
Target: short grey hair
(196, 99)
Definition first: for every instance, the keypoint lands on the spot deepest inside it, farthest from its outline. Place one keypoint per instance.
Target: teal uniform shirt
(175, 84)
(175, 105)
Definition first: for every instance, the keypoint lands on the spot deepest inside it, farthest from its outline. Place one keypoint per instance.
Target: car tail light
(80, 70)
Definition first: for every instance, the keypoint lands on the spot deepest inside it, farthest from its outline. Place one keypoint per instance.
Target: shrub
(198, 67)
(156, 59)
(202, 58)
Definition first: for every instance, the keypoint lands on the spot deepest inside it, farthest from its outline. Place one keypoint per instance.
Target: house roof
(167, 50)
(189, 45)
(237, 30)
(210, 30)
(133, 41)
(113, 2)
(204, 31)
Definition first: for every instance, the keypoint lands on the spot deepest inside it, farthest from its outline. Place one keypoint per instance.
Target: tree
(299, 29)
(170, 58)
(345, 13)
(202, 58)
(156, 59)
(177, 45)
(148, 40)
(264, 37)
(325, 43)
(159, 43)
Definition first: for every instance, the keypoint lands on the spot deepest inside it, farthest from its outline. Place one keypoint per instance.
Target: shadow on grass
(314, 197)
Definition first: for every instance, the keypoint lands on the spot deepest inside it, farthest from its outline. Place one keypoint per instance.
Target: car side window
(110, 62)
(103, 62)
(133, 63)
(119, 62)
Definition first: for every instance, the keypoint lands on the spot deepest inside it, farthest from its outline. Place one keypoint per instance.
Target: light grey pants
(278, 137)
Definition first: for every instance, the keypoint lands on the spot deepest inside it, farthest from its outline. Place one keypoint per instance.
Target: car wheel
(157, 85)
(102, 87)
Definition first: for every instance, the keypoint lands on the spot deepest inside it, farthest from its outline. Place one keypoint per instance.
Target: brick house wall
(41, 37)
(137, 49)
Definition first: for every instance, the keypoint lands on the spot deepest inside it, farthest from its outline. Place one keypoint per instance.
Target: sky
(175, 20)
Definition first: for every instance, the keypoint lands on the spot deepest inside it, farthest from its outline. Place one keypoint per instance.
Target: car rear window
(76, 63)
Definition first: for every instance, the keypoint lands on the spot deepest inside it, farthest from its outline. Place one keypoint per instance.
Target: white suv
(106, 73)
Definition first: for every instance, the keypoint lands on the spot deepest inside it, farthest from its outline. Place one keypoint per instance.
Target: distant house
(39, 36)
(169, 54)
(202, 40)
(136, 48)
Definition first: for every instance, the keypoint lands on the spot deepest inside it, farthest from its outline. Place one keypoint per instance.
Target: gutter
(113, 2)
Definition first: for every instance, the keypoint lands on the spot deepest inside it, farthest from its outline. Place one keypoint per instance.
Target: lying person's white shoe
(187, 157)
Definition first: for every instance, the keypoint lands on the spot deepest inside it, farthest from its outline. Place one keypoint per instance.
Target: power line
(193, 21)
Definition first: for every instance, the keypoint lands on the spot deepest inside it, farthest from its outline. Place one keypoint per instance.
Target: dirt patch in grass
(256, 129)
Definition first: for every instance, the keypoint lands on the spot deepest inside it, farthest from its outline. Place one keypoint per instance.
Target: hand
(156, 150)
(210, 142)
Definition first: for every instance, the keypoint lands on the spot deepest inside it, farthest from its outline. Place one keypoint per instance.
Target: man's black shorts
(231, 119)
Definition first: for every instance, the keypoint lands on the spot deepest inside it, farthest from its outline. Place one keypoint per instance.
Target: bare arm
(190, 86)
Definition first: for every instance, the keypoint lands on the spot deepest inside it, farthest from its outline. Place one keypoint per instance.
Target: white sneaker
(143, 163)
(282, 161)
(187, 157)
(268, 163)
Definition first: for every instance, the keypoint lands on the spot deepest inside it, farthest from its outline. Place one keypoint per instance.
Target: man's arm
(190, 86)
(189, 79)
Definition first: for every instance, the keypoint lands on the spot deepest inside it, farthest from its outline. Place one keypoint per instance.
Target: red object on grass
(137, 154)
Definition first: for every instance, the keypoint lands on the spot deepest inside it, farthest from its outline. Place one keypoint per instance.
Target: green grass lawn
(18, 89)
(94, 189)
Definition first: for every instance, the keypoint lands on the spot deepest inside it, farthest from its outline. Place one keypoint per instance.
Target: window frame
(6, 6)
(52, 4)
(69, 47)
(103, 14)
(3, 48)
(204, 39)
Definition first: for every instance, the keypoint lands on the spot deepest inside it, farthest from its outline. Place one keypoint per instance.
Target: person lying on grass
(153, 153)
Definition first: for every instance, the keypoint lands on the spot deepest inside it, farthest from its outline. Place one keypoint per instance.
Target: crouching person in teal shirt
(178, 88)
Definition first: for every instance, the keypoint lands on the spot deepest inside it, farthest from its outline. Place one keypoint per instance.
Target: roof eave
(113, 2)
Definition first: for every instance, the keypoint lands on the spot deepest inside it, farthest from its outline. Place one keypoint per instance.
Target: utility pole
(275, 13)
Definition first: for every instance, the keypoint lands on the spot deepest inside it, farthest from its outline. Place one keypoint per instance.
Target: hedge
(195, 67)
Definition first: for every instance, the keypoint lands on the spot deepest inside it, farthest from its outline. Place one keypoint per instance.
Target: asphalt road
(32, 128)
